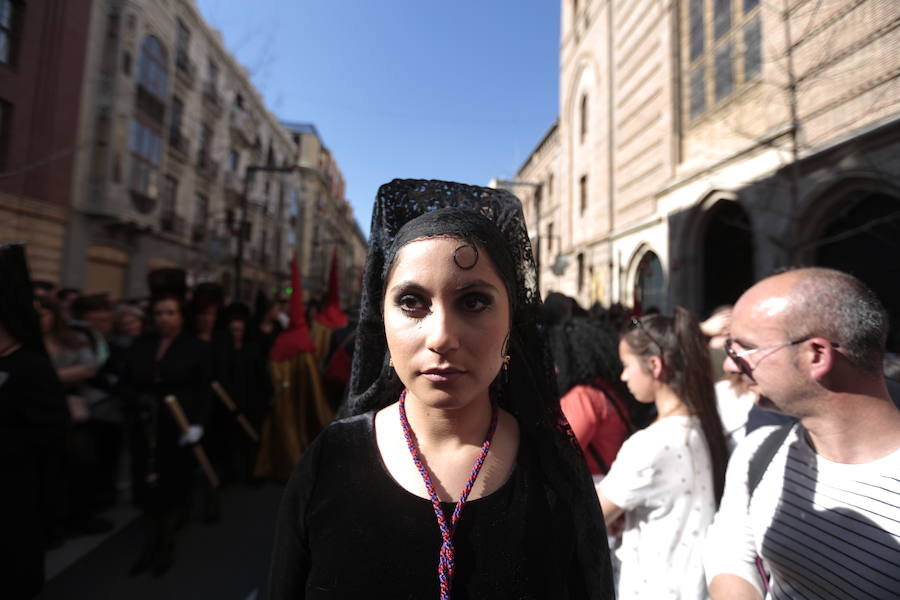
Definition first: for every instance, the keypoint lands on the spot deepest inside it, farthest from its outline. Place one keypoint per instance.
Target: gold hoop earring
(506, 359)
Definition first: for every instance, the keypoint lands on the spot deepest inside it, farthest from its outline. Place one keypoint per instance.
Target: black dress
(346, 529)
(33, 421)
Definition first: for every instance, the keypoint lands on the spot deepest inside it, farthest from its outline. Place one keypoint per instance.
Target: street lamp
(242, 223)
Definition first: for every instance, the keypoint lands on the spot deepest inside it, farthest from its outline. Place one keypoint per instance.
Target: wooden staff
(233, 409)
(184, 426)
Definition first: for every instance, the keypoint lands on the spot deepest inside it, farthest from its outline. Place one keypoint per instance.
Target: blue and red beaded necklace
(447, 561)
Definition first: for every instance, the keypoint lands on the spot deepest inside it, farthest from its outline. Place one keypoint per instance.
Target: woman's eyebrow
(408, 285)
(476, 283)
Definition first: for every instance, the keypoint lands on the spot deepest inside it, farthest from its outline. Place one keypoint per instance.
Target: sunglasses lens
(739, 362)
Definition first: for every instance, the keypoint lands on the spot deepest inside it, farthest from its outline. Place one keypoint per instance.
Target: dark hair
(86, 304)
(178, 299)
(43, 285)
(61, 331)
(447, 223)
(62, 293)
(682, 347)
(583, 350)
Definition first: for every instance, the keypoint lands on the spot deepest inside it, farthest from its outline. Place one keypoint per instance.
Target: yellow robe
(299, 412)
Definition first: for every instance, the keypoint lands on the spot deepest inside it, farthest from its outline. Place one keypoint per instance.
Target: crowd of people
(136, 393)
(460, 437)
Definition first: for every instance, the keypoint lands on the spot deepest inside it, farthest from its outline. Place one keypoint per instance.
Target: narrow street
(225, 560)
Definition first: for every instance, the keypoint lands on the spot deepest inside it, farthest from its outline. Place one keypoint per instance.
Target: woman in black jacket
(166, 362)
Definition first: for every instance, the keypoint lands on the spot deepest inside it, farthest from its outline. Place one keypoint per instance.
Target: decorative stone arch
(645, 268)
(852, 225)
(831, 196)
(725, 245)
(718, 220)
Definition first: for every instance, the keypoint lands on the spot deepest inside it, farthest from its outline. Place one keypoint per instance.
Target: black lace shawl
(529, 392)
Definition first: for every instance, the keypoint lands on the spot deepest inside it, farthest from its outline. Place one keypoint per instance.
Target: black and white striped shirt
(824, 529)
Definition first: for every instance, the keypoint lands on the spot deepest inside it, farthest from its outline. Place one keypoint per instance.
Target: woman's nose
(443, 336)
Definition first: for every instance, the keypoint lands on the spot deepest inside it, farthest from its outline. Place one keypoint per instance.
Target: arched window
(584, 116)
(153, 70)
(650, 283)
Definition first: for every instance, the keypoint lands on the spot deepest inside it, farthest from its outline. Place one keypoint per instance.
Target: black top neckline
(372, 442)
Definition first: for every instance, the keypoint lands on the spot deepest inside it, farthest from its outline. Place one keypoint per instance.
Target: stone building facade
(325, 222)
(42, 51)
(703, 143)
(130, 139)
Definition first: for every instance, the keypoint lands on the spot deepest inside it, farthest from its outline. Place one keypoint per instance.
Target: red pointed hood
(295, 339)
(331, 315)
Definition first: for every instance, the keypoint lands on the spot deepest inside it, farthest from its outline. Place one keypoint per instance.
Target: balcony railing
(243, 126)
(206, 166)
(185, 69)
(198, 233)
(150, 105)
(212, 99)
(178, 143)
(170, 222)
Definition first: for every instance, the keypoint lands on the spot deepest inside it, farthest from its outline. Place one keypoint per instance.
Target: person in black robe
(33, 420)
(167, 362)
(240, 366)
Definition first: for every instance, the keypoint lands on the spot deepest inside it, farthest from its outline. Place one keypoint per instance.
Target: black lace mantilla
(397, 203)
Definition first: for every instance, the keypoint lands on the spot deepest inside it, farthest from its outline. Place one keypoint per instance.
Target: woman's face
(206, 319)
(130, 325)
(639, 380)
(237, 328)
(167, 317)
(446, 326)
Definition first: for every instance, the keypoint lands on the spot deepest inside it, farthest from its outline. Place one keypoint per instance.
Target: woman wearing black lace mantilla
(454, 474)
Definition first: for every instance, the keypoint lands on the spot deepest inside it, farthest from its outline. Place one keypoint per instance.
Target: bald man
(825, 516)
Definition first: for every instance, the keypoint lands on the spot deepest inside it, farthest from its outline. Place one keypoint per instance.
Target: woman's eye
(476, 302)
(410, 303)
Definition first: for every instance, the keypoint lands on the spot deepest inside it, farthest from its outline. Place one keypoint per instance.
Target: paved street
(226, 560)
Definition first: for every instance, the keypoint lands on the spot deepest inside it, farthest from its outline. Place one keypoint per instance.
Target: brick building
(42, 52)
(702, 143)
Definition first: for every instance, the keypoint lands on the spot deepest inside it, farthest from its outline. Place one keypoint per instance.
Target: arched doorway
(863, 238)
(727, 255)
(650, 284)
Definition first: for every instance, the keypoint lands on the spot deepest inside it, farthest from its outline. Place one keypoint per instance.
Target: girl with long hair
(454, 473)
(668, 478)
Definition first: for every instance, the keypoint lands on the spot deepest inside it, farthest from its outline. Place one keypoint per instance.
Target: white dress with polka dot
(662, 479)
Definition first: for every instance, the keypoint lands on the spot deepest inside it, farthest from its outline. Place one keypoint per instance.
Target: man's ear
(820, 357)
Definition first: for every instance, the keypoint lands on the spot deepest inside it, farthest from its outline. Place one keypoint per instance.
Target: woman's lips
(442, 375)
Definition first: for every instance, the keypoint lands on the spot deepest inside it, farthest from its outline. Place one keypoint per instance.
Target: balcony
(170, 222)
(206, 166)
(233, 182)
(198, 233)
(212, 100)
(150, 105)
(185, 70)
(178, 144)
(243, 126)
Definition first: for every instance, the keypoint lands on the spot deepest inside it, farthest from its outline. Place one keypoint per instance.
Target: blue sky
(459, 90)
